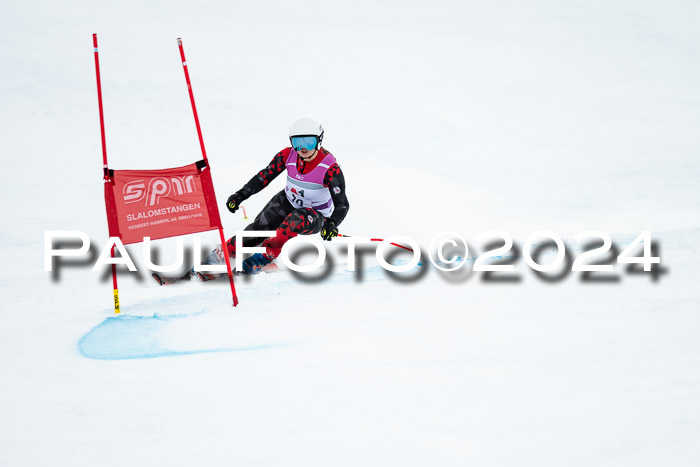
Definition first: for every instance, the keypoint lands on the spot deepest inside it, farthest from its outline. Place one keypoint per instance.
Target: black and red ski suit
(280, 215)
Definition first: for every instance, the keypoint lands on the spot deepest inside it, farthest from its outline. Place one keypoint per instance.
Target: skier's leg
(270, 218)
(304, 221)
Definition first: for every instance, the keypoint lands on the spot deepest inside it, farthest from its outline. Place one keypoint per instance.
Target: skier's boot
(188, 275)
(256, 263)
(216, 257)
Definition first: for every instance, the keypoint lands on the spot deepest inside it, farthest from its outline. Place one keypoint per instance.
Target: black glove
(329, 230)
(234, 201)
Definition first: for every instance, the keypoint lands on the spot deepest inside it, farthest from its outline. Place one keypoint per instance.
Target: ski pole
(381, 240)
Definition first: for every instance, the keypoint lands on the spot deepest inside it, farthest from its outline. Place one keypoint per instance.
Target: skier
(312, 201)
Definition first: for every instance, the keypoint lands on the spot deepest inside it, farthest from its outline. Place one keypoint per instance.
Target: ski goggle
(304, 142)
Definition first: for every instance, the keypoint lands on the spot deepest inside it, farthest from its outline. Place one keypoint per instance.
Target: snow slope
(558, 115)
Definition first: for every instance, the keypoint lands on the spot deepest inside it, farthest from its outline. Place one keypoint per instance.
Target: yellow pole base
(116, 300)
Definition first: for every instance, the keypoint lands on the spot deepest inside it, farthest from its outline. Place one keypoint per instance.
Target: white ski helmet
(306, 126)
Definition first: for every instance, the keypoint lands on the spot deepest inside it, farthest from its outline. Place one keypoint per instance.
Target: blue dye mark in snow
(132, 337)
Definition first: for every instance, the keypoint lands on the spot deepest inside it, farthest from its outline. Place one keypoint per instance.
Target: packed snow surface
(446, 116)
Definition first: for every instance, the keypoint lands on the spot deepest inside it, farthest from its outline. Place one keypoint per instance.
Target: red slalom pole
(204, 154)
(104, 161)
(99, 102)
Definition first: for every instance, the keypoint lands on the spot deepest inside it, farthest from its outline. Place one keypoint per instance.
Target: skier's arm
(334, 180)
(262, 178)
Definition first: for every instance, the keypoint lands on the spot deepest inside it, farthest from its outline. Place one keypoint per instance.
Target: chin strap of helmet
(306, 159)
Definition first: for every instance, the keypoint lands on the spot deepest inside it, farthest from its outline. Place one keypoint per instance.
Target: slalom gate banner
(160, 203)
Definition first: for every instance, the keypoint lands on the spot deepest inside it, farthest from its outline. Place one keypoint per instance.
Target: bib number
(297, 197)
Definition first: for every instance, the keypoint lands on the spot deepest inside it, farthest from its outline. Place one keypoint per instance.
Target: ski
(164, 280)
(205, 276)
